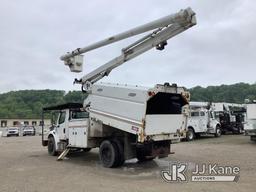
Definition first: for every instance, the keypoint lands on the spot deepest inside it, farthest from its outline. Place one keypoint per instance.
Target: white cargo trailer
(123, 121)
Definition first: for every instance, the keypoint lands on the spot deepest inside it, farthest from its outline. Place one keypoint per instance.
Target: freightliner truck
(123, 121)
(202, 121)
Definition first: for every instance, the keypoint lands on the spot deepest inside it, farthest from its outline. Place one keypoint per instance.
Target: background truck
(231, 117)
(201, 121)
(124, 121)
(250, 125)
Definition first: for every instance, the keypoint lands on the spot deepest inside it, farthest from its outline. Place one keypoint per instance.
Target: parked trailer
(201, 121)
(250, 125)
(135, 122)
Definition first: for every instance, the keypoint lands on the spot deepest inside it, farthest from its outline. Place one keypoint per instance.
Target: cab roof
(63, 106)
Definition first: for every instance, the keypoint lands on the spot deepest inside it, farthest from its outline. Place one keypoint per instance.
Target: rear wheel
(120, 148)
(253, 138)
(143, 158)
(239, 130)
(51, 147)
(143, 154)
(190, 134)
(109, 154)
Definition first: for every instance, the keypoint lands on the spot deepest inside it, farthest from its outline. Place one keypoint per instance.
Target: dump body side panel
(137, 110)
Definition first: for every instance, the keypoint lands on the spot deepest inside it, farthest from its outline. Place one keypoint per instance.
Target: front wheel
(218, 131)
(190, 134)
(52, 147)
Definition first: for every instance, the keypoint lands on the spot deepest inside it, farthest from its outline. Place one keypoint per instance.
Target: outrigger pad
(63, 154)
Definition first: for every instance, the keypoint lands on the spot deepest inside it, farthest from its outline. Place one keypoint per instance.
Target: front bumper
(12, 133)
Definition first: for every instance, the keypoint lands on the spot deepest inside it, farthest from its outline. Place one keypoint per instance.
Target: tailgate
(163, 124)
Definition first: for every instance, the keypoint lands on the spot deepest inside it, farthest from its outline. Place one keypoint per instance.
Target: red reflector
(151, 93)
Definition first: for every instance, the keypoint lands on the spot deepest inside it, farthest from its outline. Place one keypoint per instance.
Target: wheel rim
(218, 132)
(106, 155)
(190, 135)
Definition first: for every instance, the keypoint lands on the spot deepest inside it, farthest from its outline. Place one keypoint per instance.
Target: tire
(120, 152)
(239, 131)
(253, 138)
(218, 131)
(142, 158)
(87, 150)
(190, 135)
(142, 155)
(108, 154)
(52, 147)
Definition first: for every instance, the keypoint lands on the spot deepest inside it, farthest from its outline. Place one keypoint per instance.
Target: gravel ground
(26, 166)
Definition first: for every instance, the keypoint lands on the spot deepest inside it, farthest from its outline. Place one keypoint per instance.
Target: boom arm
(164, 29)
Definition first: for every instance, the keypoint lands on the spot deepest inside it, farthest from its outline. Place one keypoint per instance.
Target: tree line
(29, 103)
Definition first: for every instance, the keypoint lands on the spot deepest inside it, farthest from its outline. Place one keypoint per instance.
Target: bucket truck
(231, 116)
(201, 121)
(123, 121)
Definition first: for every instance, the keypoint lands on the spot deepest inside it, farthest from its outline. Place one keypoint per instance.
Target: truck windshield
(194, 114)
(165, 103)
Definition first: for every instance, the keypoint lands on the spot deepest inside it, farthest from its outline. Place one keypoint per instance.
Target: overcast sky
(220, 49)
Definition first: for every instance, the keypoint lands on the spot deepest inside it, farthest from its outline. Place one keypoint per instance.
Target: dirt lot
(26, 166)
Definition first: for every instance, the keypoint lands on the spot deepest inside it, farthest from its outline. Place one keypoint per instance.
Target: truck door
(61, 127)
(203, 120)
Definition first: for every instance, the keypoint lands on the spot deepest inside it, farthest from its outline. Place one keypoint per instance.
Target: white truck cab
(201, 121)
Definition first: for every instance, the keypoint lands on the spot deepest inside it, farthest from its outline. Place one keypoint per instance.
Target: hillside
(28, 103)
(235, 93)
